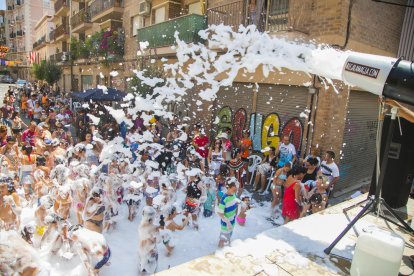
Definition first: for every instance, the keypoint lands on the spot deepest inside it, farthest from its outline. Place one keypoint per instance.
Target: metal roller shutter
(288, 102)
(234, 106)
(357, 159)
(235, 97)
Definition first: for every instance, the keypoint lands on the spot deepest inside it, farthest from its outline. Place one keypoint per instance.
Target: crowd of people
(77, 174)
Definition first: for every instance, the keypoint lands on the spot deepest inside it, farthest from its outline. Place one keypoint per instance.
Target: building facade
(42, 46)
(3, 28)
(21, 19)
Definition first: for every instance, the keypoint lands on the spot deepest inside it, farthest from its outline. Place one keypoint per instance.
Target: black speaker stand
(375, 203)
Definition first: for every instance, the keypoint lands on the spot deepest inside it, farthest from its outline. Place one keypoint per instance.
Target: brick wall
(377, 25)
(330, 118)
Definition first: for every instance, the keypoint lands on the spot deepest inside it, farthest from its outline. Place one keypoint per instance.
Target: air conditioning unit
(65, 56)
(144, 8)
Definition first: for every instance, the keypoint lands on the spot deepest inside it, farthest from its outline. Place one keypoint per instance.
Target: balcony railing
(52, 35)
(277, 17)
(232, 14)
(62, 30)
(61, 4)
(56, 57)
(99, 6)
(82, 16)
(162, 34)
(40, 42)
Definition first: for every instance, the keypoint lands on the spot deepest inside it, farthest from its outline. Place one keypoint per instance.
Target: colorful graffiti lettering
(270, 131)
(264, 131)
(224, 116)
(294, 129)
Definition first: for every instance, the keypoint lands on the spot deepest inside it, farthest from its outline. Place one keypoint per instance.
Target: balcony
(62, 32)
(58, 57)
(80, 21)
(52, 35)
(19, 18)
(162, 34)
(103, 10)
(233, 14)
(61, 7)
(40, 43)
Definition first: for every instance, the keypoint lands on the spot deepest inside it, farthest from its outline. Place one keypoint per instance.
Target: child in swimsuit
(278, 180)
(244, 207)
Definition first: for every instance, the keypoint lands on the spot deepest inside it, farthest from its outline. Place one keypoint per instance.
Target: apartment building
(21, 19)
(3, 28)
(43, 46)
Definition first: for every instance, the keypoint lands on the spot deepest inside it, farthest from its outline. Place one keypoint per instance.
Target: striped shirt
(228, 207)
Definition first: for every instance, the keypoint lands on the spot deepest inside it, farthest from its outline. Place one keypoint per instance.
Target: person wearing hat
(227, 146)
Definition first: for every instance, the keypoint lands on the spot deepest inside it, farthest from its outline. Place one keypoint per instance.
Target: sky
(2, 4)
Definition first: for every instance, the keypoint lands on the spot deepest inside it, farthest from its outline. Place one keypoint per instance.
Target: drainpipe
(314, 91)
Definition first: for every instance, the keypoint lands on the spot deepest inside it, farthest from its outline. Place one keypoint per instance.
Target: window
(136, 23)
(278, 15)
(86, 82)
(195, 8)
(159, 15)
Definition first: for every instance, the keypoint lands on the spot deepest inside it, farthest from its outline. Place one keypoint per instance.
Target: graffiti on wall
(265, 131)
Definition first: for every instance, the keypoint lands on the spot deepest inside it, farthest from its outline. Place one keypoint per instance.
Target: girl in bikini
(63, 202)
(94, 212)
(244, 207)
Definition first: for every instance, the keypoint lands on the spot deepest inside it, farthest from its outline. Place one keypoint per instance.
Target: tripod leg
(406, 226)
(349, 226)
(353, 206)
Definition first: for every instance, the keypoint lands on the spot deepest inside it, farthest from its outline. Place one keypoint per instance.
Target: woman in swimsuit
(170, 226)
(94, 212)
(291, 198)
